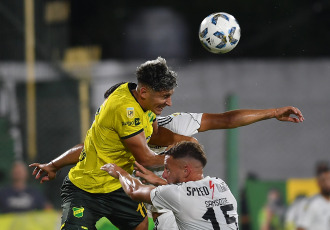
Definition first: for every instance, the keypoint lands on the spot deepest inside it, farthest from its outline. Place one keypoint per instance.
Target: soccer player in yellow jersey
(119, 134)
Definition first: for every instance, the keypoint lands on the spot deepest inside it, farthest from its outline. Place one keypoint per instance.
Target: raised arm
(47, 171)
(242, 117)
(132, 186)
(165, 137)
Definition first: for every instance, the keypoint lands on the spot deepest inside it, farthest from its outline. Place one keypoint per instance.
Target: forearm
(69, 157)
(134, 188)
(152, 160)
(234, 118)
(138, 146)
(165, 137)
(244, 117)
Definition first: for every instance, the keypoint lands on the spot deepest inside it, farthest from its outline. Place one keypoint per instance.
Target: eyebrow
(167, 94)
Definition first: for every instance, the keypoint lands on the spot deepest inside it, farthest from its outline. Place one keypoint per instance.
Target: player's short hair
(156, 75)
(188, 149)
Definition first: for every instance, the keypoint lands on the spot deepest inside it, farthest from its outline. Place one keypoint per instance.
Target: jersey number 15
(210, 215)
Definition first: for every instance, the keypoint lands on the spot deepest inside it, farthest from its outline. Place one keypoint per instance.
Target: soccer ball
(219, 33)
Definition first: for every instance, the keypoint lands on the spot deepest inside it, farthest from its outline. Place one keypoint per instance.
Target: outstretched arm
(47, 171)
(165, 137)
(242, 117)
(132, 186)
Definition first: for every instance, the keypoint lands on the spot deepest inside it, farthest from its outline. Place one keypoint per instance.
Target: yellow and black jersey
(118, 118)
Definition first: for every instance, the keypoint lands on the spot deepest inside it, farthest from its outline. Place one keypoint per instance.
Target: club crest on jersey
(78, 212)
(130, 112)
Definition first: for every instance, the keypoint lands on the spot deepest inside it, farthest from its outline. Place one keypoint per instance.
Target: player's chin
(158, 110)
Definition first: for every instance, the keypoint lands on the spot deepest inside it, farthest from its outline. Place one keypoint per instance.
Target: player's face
(324, 183)
(157, 101)
(172, 171)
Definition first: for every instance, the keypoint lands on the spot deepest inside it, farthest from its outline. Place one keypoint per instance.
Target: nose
(169, 101)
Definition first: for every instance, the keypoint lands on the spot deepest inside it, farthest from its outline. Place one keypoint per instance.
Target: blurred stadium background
(59, 56)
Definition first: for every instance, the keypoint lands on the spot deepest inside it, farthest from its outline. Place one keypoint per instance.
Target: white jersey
(294, 212)
(186, 124)
(204, 204)
(316, 215)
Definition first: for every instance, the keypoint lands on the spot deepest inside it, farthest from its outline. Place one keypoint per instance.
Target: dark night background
(270, 29)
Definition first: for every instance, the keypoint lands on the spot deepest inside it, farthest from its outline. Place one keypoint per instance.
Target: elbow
(133, 196)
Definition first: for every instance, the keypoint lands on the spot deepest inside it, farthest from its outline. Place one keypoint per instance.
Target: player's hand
(289, 113)
(147, 175)
(44, 172)
(112, 169)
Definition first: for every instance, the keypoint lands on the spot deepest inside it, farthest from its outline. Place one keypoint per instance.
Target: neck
(138, 98)
(195, 177)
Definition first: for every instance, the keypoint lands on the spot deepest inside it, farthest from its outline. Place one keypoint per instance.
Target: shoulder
(122, 100)
(313, 202)
(168, 190)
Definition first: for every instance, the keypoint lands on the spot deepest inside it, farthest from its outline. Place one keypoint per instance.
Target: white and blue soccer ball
(219, 33)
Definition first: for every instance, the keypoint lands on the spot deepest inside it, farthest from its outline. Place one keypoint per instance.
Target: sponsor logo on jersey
(212, 187)
(199, 191)
(130, 112)
(137, 121)
(175, 114)
(128, 123)
(78, 212)
(222, 187)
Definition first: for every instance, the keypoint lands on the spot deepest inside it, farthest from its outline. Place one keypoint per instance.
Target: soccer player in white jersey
(316, 214)
(197, 202)
(188, 124)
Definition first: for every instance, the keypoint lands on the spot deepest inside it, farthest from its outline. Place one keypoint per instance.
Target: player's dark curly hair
(188, 149)
(156, 75)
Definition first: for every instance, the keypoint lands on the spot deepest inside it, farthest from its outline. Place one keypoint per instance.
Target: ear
(186, 171)
(143, 91)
